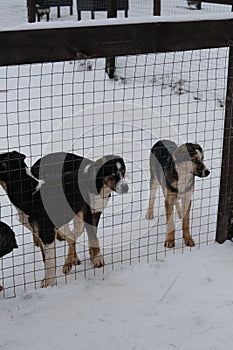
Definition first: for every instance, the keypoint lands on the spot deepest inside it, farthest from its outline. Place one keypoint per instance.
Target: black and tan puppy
(174, 169)
(49, 204)
(88, 186)
(7, 241)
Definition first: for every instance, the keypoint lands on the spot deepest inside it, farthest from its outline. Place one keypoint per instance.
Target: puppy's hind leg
(36, 238)
(154, 183)
(23, 219)
(71, 238)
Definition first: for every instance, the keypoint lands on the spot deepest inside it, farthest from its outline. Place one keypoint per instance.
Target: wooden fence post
(157, 7)
(31, 5)
(111, 61)
(225, 205)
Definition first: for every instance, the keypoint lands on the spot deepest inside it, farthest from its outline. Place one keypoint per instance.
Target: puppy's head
(111, 172)
(11, 164)
(192, 155)
(7, 239)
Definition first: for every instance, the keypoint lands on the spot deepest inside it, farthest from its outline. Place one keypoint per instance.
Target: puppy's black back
(7, 239)
(54, 164)
(161, 151)
(63, 198)
(161, 161)
(64, 192)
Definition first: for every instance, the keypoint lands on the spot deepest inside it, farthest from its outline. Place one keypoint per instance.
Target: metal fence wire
(74, 107)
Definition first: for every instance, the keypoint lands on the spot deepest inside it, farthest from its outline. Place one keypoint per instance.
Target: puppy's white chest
(99, 202)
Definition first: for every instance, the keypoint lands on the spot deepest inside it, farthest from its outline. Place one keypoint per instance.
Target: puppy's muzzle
(122, 187)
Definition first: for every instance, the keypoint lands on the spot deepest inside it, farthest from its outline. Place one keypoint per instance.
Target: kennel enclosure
(171, 82)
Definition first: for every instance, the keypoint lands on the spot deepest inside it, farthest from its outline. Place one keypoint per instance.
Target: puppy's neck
(98, 202)
(185, 182)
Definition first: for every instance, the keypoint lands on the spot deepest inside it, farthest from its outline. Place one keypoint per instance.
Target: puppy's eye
(195, 161)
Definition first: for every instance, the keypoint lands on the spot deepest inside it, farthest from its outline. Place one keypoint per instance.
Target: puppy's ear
(181, 154)
(193, 148)
(18, 155)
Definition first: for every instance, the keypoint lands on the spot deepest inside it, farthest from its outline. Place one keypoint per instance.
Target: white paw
(48, 282)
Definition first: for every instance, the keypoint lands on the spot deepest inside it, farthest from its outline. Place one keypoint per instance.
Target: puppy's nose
(206, 172)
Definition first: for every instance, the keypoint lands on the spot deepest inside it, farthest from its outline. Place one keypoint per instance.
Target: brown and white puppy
(174, 169)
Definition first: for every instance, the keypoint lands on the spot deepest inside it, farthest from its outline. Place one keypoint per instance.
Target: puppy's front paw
(76, 260)
(189, 241)
(96, 256)
(67, 267)
(149, 214)
(169, 243)
(48, 282)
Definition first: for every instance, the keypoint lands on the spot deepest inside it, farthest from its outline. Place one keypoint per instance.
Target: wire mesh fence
(74, 107)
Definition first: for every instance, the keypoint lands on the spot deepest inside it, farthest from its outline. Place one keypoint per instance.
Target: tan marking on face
(199, 155)
(110, 182)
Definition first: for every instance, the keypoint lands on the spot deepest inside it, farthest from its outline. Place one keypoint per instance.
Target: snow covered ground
(182, 302)
(179, 301)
